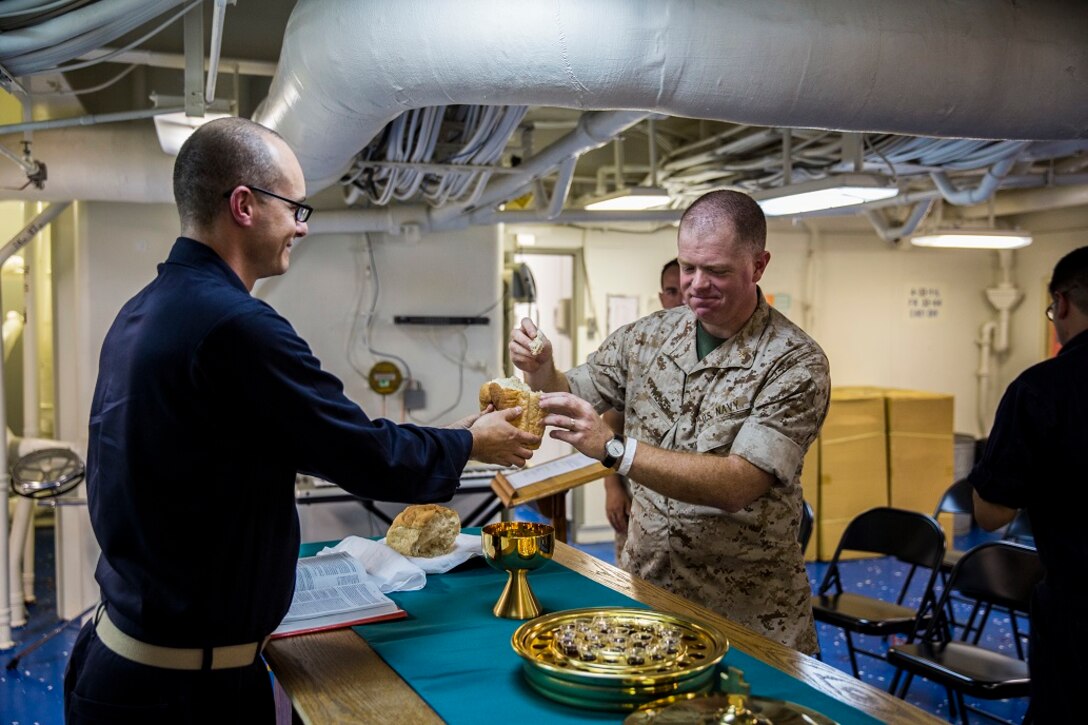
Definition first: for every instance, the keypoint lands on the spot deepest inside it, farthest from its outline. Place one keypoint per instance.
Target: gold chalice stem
(517, 600)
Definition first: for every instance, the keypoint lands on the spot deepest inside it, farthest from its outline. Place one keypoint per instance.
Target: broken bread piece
(537, 343)
(426, 530)
(509, 392)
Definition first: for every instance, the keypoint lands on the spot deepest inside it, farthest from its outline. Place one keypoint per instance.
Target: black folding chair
(1019, 529)
(1001, 574)
(805, 532)
(911, 537)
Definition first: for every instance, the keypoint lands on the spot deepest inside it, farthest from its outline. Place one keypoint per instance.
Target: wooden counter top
(334, 677)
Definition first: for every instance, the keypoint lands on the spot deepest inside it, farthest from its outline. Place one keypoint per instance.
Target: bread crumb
(537, 343)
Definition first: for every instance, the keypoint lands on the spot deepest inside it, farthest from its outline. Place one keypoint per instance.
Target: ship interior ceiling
(446, 146)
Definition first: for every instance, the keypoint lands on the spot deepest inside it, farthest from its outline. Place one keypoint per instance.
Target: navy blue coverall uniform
(207, 405)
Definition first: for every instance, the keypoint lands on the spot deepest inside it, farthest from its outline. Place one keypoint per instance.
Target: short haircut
(718, 208)
(674, 262)
(219, 156)
(1071, 278)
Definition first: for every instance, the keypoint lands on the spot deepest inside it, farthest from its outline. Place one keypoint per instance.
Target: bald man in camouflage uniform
(722, 397)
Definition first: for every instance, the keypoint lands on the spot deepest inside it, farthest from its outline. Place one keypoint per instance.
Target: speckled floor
(31, 693)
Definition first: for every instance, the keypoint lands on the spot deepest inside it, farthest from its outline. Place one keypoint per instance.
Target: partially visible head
(219, 156)
(670, 286)
(721, 251)
(227, 178)
(1069, 294)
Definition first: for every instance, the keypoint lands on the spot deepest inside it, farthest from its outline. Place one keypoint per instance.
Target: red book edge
(399, 614)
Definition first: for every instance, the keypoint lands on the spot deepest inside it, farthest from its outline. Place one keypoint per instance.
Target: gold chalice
(517, 547)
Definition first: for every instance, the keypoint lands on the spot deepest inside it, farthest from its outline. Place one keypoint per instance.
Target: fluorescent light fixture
(973, 239)
(830, 192)
(630, 198)
(174, 128)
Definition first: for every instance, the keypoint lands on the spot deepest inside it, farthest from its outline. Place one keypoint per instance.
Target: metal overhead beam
(194, 63)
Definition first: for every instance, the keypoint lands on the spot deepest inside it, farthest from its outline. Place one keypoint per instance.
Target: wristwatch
(613, 451)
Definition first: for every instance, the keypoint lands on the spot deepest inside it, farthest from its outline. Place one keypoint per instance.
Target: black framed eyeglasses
(302, 210)
(1050, 310)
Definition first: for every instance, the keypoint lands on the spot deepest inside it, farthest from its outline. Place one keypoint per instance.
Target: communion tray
(692, 709)
(614, 658)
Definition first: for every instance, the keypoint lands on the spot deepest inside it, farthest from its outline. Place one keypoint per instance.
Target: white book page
(331, 584)
(566, 464)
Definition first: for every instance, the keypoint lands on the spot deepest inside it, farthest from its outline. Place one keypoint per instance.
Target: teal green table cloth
(457, 655)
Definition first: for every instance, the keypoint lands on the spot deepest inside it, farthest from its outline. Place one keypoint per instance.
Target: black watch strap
(610, 461)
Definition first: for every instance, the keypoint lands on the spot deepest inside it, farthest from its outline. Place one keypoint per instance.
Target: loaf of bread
(506, 393)
(426, 530)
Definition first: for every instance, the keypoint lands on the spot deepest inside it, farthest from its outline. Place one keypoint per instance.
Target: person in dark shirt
(1035, 459)
(207, 406)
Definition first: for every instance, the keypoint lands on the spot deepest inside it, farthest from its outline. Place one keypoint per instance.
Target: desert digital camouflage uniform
(762, 395)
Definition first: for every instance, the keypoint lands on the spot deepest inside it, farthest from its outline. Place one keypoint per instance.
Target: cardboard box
(921, 448)
(853, 463)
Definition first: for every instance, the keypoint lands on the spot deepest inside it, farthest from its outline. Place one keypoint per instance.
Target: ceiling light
(830, 192)
(174, 128)
(629, 198)
(973, 239)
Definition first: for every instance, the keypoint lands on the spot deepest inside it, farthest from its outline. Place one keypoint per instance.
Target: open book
(332, 591)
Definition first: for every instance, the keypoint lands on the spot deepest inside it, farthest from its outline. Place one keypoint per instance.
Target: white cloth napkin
(465, 546)
(389, 570)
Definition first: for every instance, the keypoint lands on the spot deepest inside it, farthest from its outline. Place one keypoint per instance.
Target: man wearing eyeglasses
(1035, 460)
(207, 406)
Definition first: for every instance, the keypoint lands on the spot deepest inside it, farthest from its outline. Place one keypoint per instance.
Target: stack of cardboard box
(878, 447)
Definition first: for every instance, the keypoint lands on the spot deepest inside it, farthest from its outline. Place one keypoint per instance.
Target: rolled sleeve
(786, 418)
(767, 449)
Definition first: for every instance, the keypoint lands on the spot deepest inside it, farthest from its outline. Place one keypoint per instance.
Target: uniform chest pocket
(716, 435)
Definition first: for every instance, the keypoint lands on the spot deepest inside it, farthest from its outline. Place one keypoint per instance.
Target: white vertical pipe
(17, 242)
(6, 642)
(32, 272)
(31, 393)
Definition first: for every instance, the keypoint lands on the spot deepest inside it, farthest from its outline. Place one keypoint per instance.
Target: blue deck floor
(32, 692)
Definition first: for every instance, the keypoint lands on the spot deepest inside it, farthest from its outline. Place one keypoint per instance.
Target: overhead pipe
(894, 234)
(986, 188)
(176, 61)
(218, 19)
(43, 46)
(89, 120)
(593, 131)
(348, 67)
(561, 189)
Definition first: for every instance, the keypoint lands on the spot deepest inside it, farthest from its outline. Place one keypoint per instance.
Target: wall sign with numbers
(924, 302)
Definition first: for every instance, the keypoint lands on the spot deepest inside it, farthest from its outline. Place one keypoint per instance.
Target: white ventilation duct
(975, 68)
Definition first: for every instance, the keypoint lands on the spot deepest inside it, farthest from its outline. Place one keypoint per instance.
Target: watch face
(614, 448)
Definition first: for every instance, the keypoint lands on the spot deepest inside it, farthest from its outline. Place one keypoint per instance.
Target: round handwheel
(47, 473)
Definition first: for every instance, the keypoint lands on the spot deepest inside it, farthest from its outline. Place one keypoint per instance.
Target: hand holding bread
(506, 393)
(496, 438)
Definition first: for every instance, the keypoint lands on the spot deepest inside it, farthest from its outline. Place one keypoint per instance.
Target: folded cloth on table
(389, 570)
(465, 546)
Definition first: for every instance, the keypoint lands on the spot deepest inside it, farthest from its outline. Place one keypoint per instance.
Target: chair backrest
(999, 573)
(958, 499)
(1002, 573)
(1019, 529)
(910, 536)
(805, 532)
